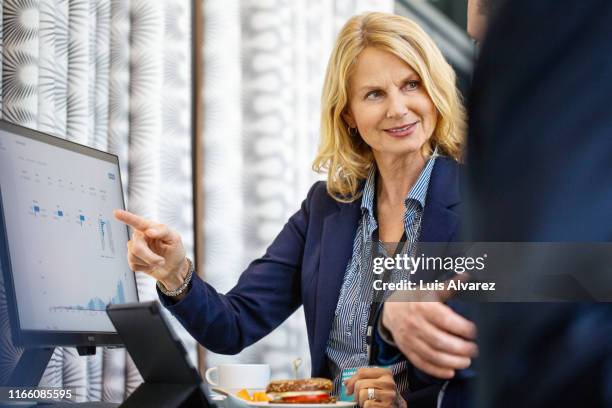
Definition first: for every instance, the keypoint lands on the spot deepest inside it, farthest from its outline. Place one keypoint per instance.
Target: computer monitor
(63, 255)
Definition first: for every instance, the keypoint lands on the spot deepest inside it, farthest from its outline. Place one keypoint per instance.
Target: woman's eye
(411, 85)
(373, 95)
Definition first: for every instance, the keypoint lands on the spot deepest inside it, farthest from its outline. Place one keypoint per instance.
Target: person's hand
(155, 250)
(381, 381)
(431, 335)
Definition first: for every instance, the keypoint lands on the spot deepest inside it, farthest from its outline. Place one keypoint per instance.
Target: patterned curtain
(115, 75)
(264, 63)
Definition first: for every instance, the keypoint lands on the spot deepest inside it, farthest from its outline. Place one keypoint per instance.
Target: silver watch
(180, 289)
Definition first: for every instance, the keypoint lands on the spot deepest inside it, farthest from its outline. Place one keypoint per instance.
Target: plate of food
(307, 393)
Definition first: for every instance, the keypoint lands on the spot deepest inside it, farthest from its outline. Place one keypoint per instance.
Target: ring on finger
(371, 394)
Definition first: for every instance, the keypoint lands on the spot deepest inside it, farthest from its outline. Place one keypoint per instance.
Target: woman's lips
(402, 131)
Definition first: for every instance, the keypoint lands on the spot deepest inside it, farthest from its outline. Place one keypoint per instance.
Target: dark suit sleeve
(424, 389)
(267, 292)
(384, 350)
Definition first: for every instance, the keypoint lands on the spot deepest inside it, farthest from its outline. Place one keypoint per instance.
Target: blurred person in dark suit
(540, 159)
(539, 146)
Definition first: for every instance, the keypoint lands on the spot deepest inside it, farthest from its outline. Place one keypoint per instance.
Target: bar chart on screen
(96, 304)
(96, 228)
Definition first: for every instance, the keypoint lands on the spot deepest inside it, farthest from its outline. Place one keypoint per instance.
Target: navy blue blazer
(305, 265)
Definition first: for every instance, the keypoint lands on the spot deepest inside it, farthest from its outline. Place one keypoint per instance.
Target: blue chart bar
(106, 232)
(97, 304)
(119, 297)
(101, 224)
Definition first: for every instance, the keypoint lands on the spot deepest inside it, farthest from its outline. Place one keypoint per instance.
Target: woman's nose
(397, 107)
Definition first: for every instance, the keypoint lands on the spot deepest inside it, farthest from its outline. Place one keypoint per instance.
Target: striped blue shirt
(346, 347)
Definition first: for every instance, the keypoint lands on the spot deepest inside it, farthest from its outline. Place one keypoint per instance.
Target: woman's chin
(407, 150)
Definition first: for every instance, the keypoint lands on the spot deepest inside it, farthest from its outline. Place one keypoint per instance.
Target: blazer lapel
(440, 221)
(336, 250)
(441, 213)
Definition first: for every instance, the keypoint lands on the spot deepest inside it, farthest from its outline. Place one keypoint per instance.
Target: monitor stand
(33, 363)
(30, 367)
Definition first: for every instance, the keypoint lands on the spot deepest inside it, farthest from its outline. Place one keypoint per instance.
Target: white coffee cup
(234, 377)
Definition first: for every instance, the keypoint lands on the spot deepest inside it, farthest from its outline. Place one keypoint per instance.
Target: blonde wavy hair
(347, 160)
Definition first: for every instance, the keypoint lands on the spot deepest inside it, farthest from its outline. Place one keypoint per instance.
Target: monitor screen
(67, 255)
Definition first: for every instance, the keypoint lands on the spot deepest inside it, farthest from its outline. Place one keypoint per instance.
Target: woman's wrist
(176, 279)
(179, 282)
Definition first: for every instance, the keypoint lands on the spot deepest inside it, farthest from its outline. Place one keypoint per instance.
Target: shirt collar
(418, 192)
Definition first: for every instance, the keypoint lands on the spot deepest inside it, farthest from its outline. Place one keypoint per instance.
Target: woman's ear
(348, 118)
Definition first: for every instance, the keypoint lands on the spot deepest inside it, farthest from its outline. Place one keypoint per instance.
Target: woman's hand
(381, 381)
(155, 250)
(432, 336)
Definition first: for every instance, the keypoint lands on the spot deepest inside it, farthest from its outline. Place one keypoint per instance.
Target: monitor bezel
(45, 338)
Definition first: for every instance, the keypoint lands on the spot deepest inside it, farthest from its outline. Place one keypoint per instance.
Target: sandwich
(307, 391)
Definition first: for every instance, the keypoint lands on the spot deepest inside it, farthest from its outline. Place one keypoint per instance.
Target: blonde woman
(392, 130)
